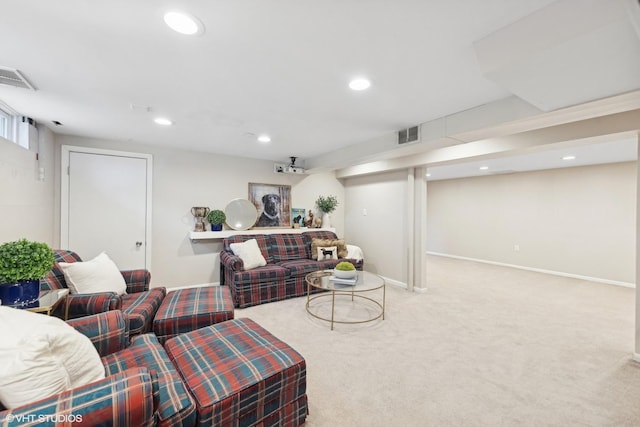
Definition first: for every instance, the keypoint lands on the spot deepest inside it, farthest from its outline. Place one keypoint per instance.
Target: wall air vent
(11, 77)
(406, 136)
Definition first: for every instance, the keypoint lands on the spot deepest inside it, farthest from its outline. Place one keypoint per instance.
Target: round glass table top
(241, 214)
(325, 280)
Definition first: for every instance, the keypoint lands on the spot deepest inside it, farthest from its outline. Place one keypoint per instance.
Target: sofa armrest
(87, 304)
(124, 399)
(108, 331)
(231, 261)
(136, 280)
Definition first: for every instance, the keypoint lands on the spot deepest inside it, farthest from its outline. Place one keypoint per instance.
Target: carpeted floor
(485, 346)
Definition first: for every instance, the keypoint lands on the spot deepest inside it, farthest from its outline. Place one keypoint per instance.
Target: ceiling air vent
(406, 136)
(13, 78)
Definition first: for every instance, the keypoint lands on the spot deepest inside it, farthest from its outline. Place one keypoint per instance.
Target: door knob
(138, 244)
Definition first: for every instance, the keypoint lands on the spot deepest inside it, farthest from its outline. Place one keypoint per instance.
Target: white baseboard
(396, 283)
(538, 270)
(202, 285)
(402, 285)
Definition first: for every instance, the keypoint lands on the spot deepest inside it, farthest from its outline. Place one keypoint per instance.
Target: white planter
(326, 220)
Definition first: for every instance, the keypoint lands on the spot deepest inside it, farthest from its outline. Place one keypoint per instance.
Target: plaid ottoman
(241, 375)
(186, 310)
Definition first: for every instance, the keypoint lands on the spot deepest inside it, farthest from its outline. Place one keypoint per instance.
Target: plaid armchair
(141, 388)
(139, 304)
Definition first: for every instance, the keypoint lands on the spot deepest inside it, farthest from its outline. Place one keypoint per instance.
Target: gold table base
(311, 280)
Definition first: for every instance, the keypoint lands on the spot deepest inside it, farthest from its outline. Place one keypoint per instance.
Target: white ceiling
(622, 150)
(276, 67)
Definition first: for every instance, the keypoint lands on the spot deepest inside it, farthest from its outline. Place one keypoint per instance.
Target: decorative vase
(216, 227)
(326, 220)
(21, 293)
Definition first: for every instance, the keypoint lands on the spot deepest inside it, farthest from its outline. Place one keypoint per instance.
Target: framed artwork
(297, 217)
(273, 203)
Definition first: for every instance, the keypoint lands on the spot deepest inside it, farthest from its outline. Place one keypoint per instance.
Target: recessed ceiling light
(359, 84)
(428, 175)
(484, 168)
(183, 23)
(264, 138)
(569, 158)
(163, 121)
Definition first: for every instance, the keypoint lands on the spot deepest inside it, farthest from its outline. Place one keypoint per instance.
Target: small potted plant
(216, 218)
(344, 270)
(327, 205)
(22, 264)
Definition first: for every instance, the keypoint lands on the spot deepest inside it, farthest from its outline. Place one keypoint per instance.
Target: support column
(636, 353)
(420, 230)
(410, 228)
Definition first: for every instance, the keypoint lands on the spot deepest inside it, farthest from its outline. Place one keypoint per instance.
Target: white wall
(575, 220)
(26, 203)
(381, 233)
(182, 179)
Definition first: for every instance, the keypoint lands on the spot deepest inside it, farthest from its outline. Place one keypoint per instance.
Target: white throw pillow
(42, 355)
(95, 276)
(327, 252)
(250, 254)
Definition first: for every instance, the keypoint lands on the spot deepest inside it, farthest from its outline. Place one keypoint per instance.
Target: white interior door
(106, 205)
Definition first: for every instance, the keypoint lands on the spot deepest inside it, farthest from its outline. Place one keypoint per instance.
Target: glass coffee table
(366, 282)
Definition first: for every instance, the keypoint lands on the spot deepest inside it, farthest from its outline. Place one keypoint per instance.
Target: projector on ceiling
(290, 168)
(295, 169)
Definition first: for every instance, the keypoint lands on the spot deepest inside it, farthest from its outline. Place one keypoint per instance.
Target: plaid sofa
(139, 304)
(141, 388)
(288, 259)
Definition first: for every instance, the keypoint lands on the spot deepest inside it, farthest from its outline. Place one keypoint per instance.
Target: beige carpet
(485, 346)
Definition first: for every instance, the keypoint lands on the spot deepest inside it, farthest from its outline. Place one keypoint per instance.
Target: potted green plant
(22, 264)
(344, 270)
(216, 218)
(326, 205)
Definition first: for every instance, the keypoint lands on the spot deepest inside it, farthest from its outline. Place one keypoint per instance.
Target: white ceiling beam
(588, 131)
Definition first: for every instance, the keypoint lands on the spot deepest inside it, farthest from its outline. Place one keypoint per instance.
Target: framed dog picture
(297, 217)
(273, 203)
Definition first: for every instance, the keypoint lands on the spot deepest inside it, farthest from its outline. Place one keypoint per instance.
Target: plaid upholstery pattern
(174, 405)
(241, 375)
(88, 304)
(281, 278)
(79, 305)
(55, 278)
(141, 307)
(124, 399)
(262, 239)
(186, 310)
(109, 331)
(302, 267)
(136, 280)
(260, 274)
(286, 247)
(293, 414)
(233, 262)
(255, 286)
